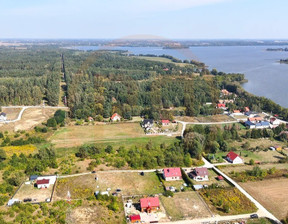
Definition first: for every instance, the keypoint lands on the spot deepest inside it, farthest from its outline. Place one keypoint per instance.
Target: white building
(234, 158)
(3, 116)
(115, 117)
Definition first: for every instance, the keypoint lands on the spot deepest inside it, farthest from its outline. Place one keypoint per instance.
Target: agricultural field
(184, 205)
(37, 195)
(130, 183)
(114, 134)
(227, 201)
(240, 168)
(275, 197)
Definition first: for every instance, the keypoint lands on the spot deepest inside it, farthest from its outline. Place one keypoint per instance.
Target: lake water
(266, 77)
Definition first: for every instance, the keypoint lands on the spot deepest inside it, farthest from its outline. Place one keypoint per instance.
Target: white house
(45, 181)
(200, 174)
(115, 117)
(172, 174)
(234, 158)
(3, 116)
(274, 121)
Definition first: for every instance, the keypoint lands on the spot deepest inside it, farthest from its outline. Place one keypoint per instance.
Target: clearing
(37, 195)
(116, 134)
(206, 119)
(275, 197)
(130, 183)
(184, 205)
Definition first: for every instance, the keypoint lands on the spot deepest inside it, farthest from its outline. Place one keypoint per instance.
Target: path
(26, 107)
(262, 212)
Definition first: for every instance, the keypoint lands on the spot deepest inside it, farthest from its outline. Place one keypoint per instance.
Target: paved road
(26, 107)
(262, 212)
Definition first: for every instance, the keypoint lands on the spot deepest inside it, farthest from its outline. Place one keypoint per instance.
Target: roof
(114, 115)
(149, 202)
(146, 121)
(3, 114)
(255, 118)
(135, 217)
(247, 109)
(172, 172)
(33, 177)
(232, 155)
(249, 123)
(265, 123)
(220, 178)
(221, 105)
(202, 171)
(43, 181)
(165, 121)
(236, 111)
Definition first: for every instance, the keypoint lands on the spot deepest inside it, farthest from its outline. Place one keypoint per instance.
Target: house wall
(172, 178)
(116, 118)
(52, 179)
(237, 160)
(42, 186)
(153, 209)
(200, 178)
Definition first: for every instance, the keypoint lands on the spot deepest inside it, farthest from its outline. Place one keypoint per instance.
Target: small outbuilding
(135, 218)
(115, 117)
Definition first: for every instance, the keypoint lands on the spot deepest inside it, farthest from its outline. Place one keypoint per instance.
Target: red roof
(149, 202)
(220, 178)
(135, 218)
(43, 181)
(202, 171)
(172, 172)
(232, 155)
(221, 105)
(114, 115)
(165, 121)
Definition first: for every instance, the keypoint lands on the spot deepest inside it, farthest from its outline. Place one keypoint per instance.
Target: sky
(168, 19)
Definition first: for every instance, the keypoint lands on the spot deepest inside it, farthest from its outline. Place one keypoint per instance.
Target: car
(142, 173)
(254, 216)
(93, 171)
(27, 199)
(118, 190)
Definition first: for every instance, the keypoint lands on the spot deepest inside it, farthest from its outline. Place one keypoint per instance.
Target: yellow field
(25, 149)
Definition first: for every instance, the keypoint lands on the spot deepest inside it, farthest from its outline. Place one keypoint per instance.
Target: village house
(237, 112)
(147, 123)
(200, 174)
(149, 204)
(172, 174)
(221, 106)
(3, 116)
(90, 119)
(274, 122)
(115, 117)
(255, 119)
(43, 183)
(165, 122)
(234, 158)
(135, 218)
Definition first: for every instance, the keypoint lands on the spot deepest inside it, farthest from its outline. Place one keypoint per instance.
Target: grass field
(240, 168)
(37, 195)
(272, 194)
(212, 180)
(184, 205)
(129, 183)
(213, 118)
(161, 59)
(117, 134)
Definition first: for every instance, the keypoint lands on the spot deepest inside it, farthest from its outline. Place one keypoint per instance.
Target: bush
(51, 122)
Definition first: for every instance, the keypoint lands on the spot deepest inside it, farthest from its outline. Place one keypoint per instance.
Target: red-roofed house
(149, 204)
(221, 106)
(200, 174)
(135, 218)
(165, 122)
(255, 119)
(234, 158)
(172, 174)
(274, 121)
(115, 117)
(43, 183)
(246, 109)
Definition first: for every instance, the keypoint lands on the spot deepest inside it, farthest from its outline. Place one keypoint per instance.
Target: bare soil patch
(272, 194)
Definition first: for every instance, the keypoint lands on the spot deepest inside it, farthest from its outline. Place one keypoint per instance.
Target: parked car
(254, 216)
(93, 171)
(27, 199)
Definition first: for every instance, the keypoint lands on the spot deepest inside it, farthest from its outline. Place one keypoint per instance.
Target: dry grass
(240, 168)
(272, 194)
(12, 113)
(29, 191)
(184, 205)
(212, 180)
(130, 183)
(213, 118)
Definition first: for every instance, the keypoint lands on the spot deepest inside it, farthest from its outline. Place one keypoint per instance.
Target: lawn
(162, 59)
(275, 197)
(184, 205)
(227, 201)
(117, 134)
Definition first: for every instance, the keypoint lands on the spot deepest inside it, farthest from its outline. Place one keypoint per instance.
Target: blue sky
(171, 19)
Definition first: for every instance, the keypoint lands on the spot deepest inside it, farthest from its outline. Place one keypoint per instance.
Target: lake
(266, 77)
